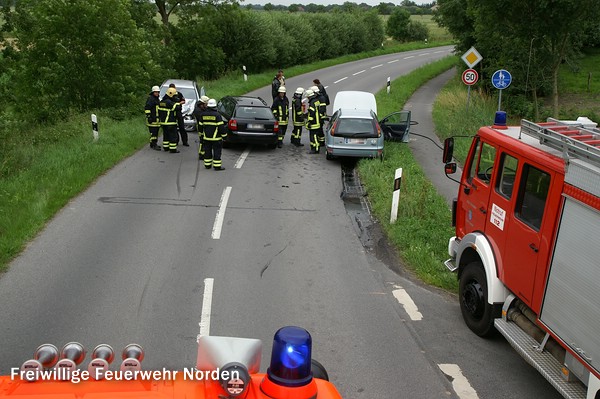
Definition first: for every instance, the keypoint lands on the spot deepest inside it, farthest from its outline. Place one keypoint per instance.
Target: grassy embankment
(45, 166)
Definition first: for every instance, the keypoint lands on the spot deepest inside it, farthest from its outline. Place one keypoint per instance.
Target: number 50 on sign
(470, 77)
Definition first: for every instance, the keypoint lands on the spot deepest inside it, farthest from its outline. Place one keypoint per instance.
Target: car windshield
(256, 113)
(188, 92)
(355, 127)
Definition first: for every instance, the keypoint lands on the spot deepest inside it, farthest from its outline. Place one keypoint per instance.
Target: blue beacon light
(291, 357)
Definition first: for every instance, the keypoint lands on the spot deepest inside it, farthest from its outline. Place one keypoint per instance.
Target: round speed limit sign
(470, 77)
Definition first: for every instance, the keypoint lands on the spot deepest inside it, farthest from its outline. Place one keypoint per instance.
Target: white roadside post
(95, 127)
(388, 85)
(396, 195)
(245, 75)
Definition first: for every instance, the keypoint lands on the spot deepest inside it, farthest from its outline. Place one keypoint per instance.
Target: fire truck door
(523, 237)
(477, 190)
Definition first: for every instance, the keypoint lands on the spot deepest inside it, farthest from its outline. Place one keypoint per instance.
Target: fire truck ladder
(572, 139)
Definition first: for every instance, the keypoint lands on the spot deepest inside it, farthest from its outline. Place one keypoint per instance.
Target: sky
(327, 2)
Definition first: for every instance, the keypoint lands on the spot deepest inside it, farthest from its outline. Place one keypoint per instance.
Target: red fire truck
(527, 245)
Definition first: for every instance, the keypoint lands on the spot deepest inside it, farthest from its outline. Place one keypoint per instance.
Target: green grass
(423, 228)
(58, 172)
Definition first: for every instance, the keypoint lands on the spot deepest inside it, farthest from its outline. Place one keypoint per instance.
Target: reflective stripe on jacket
(297, 115)
(212, 126)
(151, 111)
(281, 109)
(313, 121)
(168, 111)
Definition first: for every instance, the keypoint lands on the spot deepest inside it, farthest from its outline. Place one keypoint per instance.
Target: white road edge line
(461, 385)
(216, 231)
(411, 56)
(391, 62)
(376, 66)
(206, 307)
(406, 301)
(241, 159)
(337, 81)
(358, 73)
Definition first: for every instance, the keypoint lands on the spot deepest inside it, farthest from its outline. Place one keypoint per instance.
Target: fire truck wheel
(473, 292)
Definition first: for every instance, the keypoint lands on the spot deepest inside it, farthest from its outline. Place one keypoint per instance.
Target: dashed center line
(391, 62)
(216, 231)
(406, 301)
(376, 66)
(358, 73)
(439, 51)
(461, 385)
(423, 54)
(339, 80)
(410, 56)
(206, 307)
(241, 159)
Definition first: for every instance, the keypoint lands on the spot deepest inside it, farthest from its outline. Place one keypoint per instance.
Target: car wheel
(474, 306)
(328, 156)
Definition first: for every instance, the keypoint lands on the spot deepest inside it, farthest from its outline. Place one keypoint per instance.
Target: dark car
(248, 120)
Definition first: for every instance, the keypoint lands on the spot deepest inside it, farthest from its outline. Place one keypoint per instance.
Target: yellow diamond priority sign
(471, 57)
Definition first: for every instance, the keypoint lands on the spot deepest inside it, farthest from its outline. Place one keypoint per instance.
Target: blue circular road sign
(501, 79)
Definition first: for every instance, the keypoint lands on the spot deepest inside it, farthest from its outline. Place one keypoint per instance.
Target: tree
(384, 8)
(455, 16)
(397, 25)
(71, 62)
(268, 7)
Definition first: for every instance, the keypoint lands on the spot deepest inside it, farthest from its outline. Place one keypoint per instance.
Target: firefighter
(169, 110)
(213, 130)
(180, 125)
(152, 121)
(322, 102)
(200, 107)
(313, 122)
(322, 107)
(278, 81)
(322, 90)
(281, 111)
(297, 117)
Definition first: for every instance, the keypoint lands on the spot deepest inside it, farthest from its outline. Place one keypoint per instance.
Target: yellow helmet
(171, 91)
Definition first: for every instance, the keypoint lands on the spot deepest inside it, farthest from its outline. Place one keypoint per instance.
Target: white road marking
(424, 54)
(206, 307)
(326, 86)
(358, 73)
(410, 56)
(461, 385)
(376, 66)
(241, 159)
(337, 81)
(439, 51)
(406, 301)
(216, 231)
(391, 62)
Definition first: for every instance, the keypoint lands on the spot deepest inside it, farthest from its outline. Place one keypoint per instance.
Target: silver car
(354, 129)
(190, 92)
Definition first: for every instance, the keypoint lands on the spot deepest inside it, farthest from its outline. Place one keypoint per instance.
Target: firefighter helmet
(204, 99)
(281, 89)
(299, 90)
(155, 88)
(309, 93)
(315, 89)
(212, 103)
(171, 91)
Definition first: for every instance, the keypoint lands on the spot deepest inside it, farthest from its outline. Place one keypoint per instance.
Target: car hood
(188, 107)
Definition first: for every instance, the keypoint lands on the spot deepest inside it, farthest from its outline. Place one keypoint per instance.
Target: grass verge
(423, 227)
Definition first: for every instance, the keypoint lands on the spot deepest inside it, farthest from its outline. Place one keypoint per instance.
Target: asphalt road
(127, 262)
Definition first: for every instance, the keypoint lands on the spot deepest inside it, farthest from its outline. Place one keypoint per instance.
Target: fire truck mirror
(448, 150)
(450, 168)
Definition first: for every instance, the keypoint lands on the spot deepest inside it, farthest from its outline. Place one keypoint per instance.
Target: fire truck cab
(526, 249)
